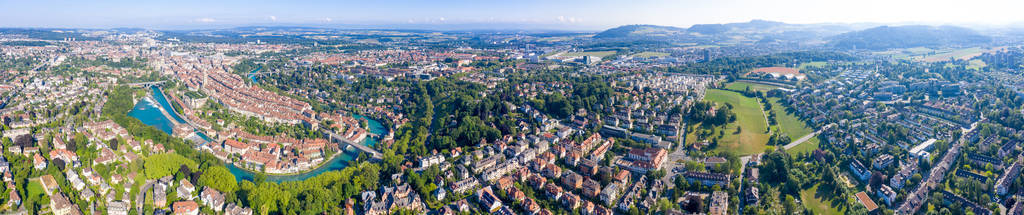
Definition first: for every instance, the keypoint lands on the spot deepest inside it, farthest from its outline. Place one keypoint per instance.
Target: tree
(160, 165)
(876, 180)
(790, 204)
(59, 163)
(25, 140)
(776, 167)
(695, 205)
(219, 178)
(114, 143)
(183, 173)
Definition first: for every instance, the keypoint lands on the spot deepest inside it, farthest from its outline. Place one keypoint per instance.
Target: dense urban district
(743, 118)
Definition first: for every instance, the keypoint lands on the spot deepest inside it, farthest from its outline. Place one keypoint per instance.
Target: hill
(47, 34)
(886, 37)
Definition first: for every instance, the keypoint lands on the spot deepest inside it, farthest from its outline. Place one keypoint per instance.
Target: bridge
(342, 142)
(146, 84)
(262, 73)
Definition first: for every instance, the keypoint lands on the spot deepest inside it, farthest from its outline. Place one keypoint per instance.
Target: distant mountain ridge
(704, 29)
(886, 37)
(745, 32)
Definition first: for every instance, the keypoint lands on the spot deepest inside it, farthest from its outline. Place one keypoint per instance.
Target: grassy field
(741, 86)
(953, 53)
(793, 127)
(788, 123)
(650, 54)
(810, 64)
(752, 138)
(933, 55)
(703, 46)
(806, 147)
(816, 204)
(601, 54)
(976, 64)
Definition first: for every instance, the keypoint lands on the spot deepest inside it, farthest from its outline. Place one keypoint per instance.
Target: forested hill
(640, 30)
(886, 37)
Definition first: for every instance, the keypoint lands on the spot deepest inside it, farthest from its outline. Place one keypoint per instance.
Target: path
(764, 115)
(766, 83)
(807, 137)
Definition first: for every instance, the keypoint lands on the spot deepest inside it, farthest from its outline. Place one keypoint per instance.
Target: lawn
(813, 200)
(741, 86)
(35, 195)
(752, 138)
(650, 54)
(601, 54)
(35, 188)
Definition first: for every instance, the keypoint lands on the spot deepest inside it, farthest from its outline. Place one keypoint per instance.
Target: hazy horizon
(464, 14)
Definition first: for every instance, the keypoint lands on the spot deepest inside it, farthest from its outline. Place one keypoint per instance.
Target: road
(140, 198)
(671, 164)
(934, 177)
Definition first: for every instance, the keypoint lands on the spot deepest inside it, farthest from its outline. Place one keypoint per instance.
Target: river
(253, 76)
(147, 111)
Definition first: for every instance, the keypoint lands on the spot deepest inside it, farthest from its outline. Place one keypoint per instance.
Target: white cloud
(570, 19)
(441, 19)
(327, 19)
(205, 20)
(273, 18)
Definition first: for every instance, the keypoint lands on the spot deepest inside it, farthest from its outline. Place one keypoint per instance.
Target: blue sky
(570, 14)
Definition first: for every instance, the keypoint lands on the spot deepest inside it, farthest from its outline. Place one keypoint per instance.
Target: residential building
(185, 208)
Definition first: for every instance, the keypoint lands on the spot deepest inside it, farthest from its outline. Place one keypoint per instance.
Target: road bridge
(342, 142)
(146, 84)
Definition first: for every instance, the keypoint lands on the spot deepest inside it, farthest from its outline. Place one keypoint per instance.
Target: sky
(523, 14)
